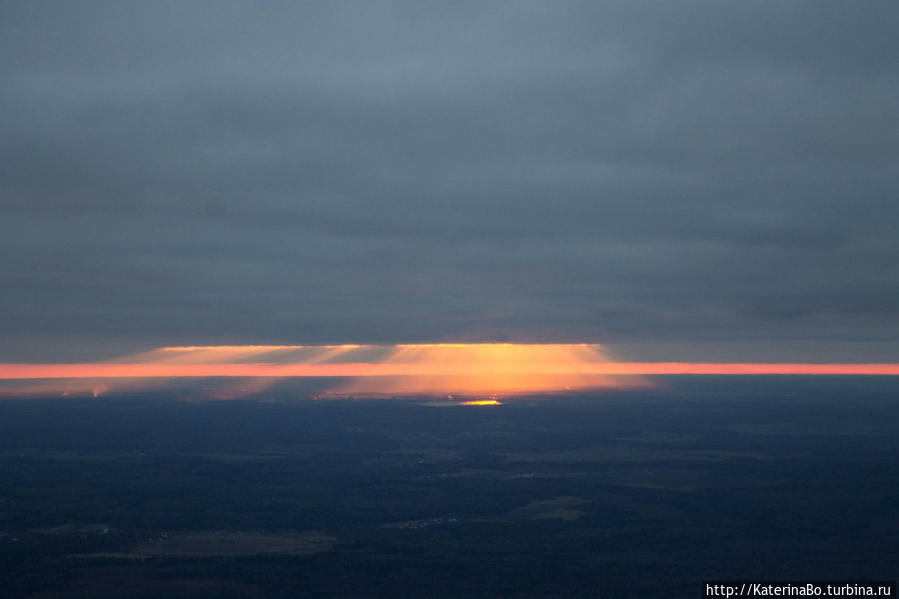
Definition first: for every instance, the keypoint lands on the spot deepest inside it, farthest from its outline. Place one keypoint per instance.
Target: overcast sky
(678, 180)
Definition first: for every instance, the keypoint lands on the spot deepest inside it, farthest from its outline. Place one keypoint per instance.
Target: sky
(677, 181)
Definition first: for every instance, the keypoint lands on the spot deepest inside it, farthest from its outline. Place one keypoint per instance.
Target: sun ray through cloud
(470, 369)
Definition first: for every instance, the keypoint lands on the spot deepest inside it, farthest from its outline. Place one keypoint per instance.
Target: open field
(224, 543)
(561, 508)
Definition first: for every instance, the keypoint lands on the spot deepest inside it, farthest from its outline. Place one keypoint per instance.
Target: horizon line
(21, 371)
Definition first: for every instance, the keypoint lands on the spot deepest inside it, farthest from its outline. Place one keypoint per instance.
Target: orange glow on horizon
(483, 369)
(438, 369)
(12, 371)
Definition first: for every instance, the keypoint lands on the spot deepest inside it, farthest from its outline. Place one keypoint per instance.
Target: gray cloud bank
(646, 174)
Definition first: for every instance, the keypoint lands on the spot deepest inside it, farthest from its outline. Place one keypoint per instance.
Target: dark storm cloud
(632, 173)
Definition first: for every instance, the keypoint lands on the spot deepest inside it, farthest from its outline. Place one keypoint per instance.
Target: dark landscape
(640, 493)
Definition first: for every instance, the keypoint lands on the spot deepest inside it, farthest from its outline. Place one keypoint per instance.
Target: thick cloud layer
(651, 175)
